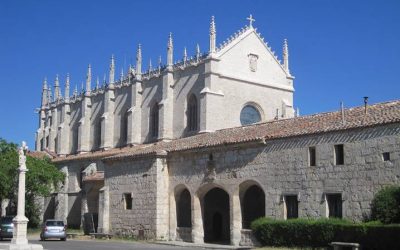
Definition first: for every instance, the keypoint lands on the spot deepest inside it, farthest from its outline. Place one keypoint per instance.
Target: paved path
(99, 245)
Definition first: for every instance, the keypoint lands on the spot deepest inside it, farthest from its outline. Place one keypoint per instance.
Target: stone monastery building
(196, 150)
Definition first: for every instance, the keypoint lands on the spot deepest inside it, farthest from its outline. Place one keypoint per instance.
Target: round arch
(215, 203)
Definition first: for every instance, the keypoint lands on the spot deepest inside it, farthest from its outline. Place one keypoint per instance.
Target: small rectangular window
(339, 154)
(292, 206)
(312, 156)
(334, 205)
(386, 156)
(128, 201)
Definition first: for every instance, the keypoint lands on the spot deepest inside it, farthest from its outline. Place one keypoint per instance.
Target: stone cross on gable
(251, 20)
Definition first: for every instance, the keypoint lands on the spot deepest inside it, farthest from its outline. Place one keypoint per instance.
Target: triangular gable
(235, 39)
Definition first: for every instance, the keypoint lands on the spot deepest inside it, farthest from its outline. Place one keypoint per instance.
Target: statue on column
(19, 240)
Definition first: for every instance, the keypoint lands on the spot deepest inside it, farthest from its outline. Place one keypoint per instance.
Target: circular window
(249, 115)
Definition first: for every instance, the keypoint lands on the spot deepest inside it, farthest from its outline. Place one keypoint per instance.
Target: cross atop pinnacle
(251, 20)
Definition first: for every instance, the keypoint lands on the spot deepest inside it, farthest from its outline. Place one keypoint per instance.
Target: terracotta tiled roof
(38, 154)
(377, 114)
(98, 176)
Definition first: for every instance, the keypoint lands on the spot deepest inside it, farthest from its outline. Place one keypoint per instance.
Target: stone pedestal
(20, 230)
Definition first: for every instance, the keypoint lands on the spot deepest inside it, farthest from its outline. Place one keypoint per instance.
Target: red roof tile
(377, 114)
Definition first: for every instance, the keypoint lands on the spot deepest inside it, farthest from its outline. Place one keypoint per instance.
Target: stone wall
(281, 167)
(138, 178)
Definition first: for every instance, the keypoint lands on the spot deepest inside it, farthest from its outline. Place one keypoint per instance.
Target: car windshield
(6, 220)
(55, 223)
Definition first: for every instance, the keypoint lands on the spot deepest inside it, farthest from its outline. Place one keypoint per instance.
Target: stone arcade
(195, 150)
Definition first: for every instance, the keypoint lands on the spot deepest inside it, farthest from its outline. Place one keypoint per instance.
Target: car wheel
(63, 239)
(1, 238)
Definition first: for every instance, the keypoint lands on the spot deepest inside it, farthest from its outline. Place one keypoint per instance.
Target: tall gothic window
(124, 129)
(154, 120)
(192, 116)
(98, 135)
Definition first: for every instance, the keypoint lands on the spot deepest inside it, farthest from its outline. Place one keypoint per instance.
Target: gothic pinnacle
(76, 90)
(213, 34)
(197, 52)
(150, 66)
(88, 80)
(67, 87)
(112, 70)
(286, 56)
(184, 55)
(170, 51)
(56, 89)
(139, 60)
(122, 75)
(49, 95)
(97, 83)
(44, 93)
(159, 64)
(45, 83)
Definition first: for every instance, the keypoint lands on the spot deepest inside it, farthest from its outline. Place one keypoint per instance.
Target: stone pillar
(135, 114)
(53, 129)
(166, 107)
(172, 217)
(65, 130)
(84, 206)
(236, 218)
(197, 221)
(107, 119)
(84, 125)
(40, 130)
(61, 211)
(162, 197)
(104, 210)
(211, 98)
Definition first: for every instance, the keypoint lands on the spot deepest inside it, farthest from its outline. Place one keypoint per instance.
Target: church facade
(195, 150)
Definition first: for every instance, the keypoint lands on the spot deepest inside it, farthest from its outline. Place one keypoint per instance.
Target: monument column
(20, 221)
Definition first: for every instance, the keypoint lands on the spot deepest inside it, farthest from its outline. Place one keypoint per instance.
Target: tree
(385, 206)
(41, 179)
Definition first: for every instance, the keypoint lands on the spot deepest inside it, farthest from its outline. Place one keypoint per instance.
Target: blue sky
(339, 50)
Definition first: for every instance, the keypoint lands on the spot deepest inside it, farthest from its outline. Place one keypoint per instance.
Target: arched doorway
(183, 209)
(253, 205)
(216, 216)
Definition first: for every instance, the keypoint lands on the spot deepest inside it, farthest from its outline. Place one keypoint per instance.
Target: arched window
(192, 116)
(249, 115)
(97, 135)
(154, 120)
(75, 138)
(124, 129)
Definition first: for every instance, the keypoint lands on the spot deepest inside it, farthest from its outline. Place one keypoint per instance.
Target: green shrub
(321, 232)
(385, 206)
